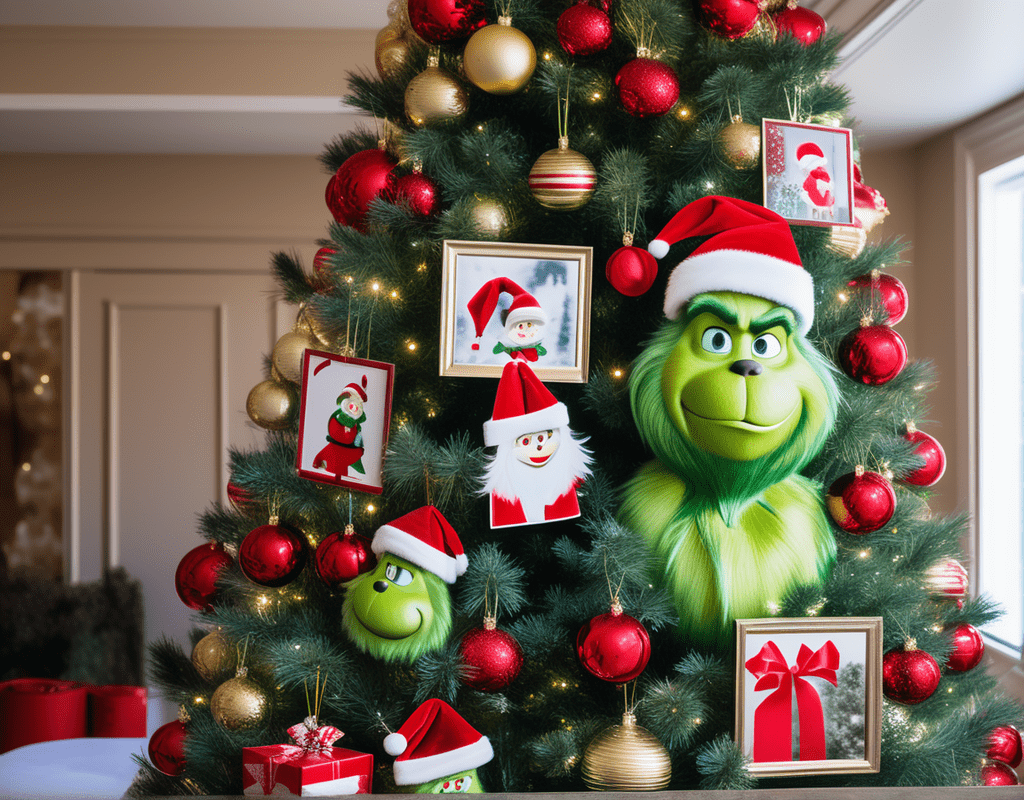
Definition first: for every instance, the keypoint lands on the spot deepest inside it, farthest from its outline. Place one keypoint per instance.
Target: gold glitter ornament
(435, 96)
(240, 704)
(499, 59)
(741, 143)
(390, 52)
(272, 404)
(491, 216)
(626, 758)
(562, 179)
(289, 351)
(214, 657)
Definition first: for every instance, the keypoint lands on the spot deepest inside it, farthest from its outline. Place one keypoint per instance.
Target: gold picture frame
(835, 730)
(554, 278)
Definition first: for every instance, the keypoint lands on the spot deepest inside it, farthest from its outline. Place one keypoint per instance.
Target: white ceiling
(914, 68)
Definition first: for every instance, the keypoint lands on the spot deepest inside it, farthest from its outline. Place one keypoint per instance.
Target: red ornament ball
(996, 773)
(928, 448)
(968, 648)
(272, 555)
(647, 87)
(861, 501)
(341, 557)
(584, 30)
(873, 354)
(197, 573)
(909, 676)
(322, 263)
(167, 748)
(801, 23)
(1004, 744)
(730, 18)
(631, 270)
(493, 656)
(358, 182)
(441, 21)
(888, 294)
(418, 191)
(614, 646)
(240, 498)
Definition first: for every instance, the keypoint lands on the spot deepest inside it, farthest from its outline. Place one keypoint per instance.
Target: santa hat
(436, 741)
(809, 155)
(425, 538)
(522, 405)
(524, 305)
(751, 251)
(356, 389)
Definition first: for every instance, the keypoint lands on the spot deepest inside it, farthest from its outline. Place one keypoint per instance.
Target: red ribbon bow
(313, 737)
(773, 719)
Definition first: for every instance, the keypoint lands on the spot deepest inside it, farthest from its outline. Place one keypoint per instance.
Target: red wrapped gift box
(117, 711)
(283, 769)
(41, 710)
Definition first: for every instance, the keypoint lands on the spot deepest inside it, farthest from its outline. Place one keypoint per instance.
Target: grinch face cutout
(344, 450)
(402, 609)
(539, 463)
(524, 320)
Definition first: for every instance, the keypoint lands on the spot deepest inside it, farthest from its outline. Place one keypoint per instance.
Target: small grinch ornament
(614, 646)
(741, 143)
(167, 745)
(524, 320)
(909, 675)
(968, 648)
(499, 59)
(1004, 744)
(343, 556)
(872, 354)
(861, 501)
(493, 656)
(272, 404)
(361, 178)
(438, 752)
(929, 449)
(240, 704)
(562, 179)
(214, 657)
(435, 97)
(584, 29)
(290, 350)
(272, 554)
(197, 573)
(888, 296)
(626, 758)
(631, 270)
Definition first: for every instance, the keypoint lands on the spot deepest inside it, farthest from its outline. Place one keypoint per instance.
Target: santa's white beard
(536, 487)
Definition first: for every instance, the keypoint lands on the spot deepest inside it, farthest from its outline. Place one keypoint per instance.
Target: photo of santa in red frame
(808, 172)
(345, 420)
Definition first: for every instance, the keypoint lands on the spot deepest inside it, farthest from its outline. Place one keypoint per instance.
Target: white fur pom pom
(658, 248)
(395, 744)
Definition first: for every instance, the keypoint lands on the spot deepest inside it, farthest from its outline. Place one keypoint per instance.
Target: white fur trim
(392, 540)
(534, 313)
(430, 768)
(742, 271)
(395, 744)
(658, 248)
(500, 431)
(461, 563)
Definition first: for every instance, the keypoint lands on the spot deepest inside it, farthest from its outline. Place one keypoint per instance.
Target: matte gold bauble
(499, 58)
(562, 178)
(846, 240)
(239, 704)
(390, 52)
(214, 657)
(435, 96)
(626, 758)
(741, 143)
(491, 216)
(289, 351)
(272, 405)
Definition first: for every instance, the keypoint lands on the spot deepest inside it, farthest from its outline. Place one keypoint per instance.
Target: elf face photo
(506, 302)
(808, 172)
(343, 429)
(808, 694)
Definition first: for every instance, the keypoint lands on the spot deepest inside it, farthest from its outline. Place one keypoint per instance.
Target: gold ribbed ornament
(435, 96)
(499, 59)
(491, 216)
(272, 404)
(741, 143)
(214, 657)
(847, 241)
(626, 758)
(391, 51)
(239, 704)
(562, 179)
(289, 351)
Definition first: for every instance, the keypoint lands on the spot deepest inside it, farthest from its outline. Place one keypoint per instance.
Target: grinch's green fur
(731, 536)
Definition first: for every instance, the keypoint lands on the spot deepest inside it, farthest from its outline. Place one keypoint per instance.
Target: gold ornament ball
(741, 144)
(491, 216)
(214, 657)
(499, 59)
(390, 52)
(562, 179)
(435, 96)
(289, 351)
(239, 704)
(847, 241)
(272, 405)
(626, 758)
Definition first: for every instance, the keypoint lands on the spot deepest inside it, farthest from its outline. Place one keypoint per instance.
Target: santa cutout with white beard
(539, 463)
(524, 320)
(817, 189)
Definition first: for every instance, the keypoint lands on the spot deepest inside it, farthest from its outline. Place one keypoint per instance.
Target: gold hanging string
(369, 325)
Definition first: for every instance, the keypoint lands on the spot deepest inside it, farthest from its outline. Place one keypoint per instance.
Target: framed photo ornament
(344, 420)
(809, 694)
(502, 301)
(808, 172)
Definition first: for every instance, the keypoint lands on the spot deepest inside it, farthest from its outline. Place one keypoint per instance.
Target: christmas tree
(528, 125)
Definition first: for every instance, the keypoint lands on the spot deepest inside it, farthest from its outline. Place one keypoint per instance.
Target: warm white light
(26, 467)
(6, 355)
(412, 345)
(370, 508)
(44, 378)
(376, 286)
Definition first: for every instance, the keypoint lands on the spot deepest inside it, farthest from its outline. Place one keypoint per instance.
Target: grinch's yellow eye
(716, 340)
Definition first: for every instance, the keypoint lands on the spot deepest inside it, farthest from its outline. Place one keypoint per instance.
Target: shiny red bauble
(584, 30)
(888, 295)
(322, 263)
(167, 748)
(968, 648)
(272, 555)
(342, 556)
(802, 24)
(861, 501)
(996, 773)
(360, 179)
(928, 448)
(730, 18)
(647, 87)
(909, 676)
(418, 191)
(493, 657)
(440, 21)
(631, 270)
(614, 646)
(1004, 744)
(240, 498)
(197, 573)
(873, 354)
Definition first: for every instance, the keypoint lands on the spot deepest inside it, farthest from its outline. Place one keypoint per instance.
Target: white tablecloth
(87, 768)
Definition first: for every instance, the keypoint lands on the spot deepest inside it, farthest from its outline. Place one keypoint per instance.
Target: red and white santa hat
(522, 405)
(524, 308)
(751, 251)
(425, 538)
(436, 741)
(809, 155)
(356, 389)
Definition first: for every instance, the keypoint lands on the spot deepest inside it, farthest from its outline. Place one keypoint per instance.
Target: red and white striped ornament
(562, 179)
